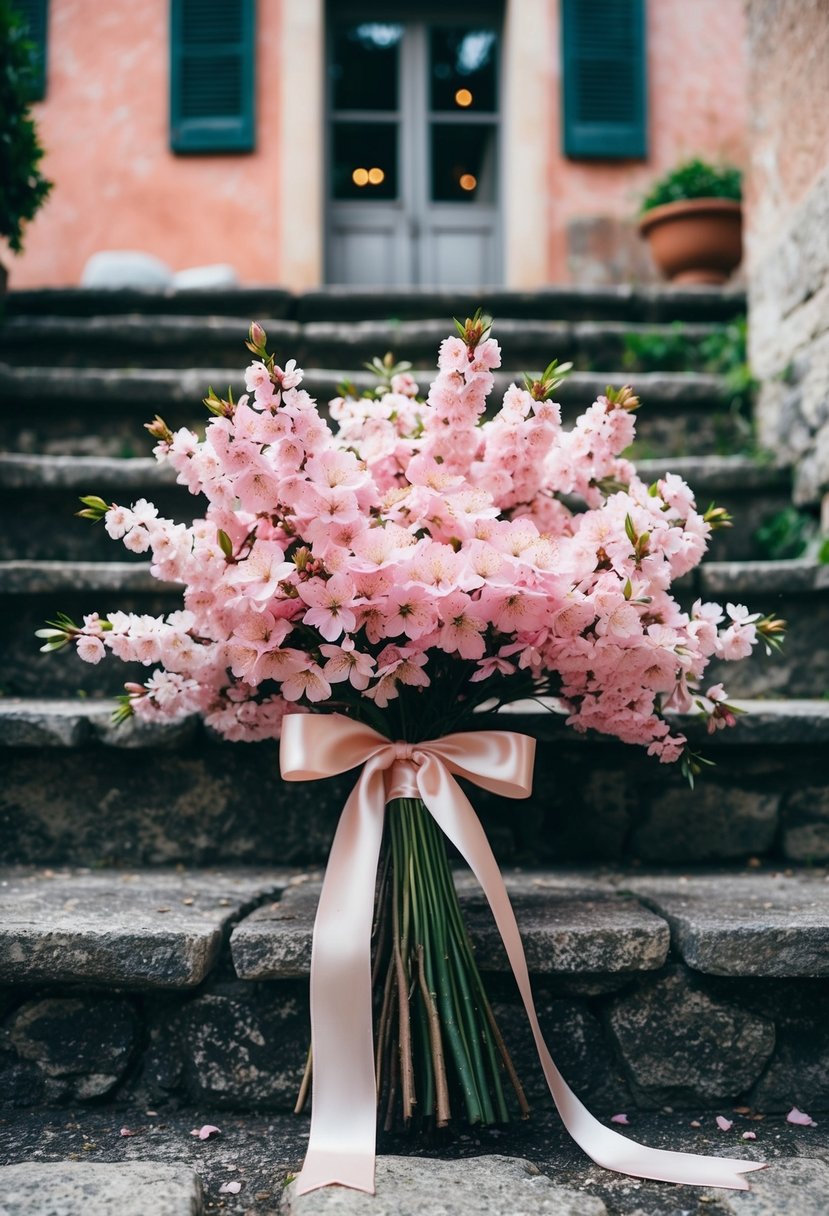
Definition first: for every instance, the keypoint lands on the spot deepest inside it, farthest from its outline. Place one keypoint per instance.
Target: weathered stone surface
(571, 927)
(684, 1047)
(794, 1187)
(206, 803)
(797, 591)
(723, 823)
(85, 1188)
(798, 1071)
(203, 804)
(570, 302)
(572, 934)
(579, 1046)
(245, 1048)
(746, 924)
(258, 1150)
(791, 577)
(806, 824)
(120, 340)
(156, 929)
(274, 942)
(38, 578)
(417, 1186)
(66, 723)
(72, 1048)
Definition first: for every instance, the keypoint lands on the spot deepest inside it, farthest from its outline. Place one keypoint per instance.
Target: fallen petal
(749, 1135)
(204, 1133)
(230, 1188)
(125, 1131)
(800, 1118)
(695, 1123)
(619, 1119)
(725, 1125)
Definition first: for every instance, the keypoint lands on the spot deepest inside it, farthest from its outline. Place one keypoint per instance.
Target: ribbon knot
(343, 1116)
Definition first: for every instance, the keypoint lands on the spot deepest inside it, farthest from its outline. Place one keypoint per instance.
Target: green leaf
(225, 543)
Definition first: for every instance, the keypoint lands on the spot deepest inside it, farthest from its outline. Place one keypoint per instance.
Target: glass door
(412, 152)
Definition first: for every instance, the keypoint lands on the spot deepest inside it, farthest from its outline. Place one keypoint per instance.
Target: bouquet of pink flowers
(406, 565)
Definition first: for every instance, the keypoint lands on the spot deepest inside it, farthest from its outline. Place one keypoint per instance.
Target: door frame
(414, 161)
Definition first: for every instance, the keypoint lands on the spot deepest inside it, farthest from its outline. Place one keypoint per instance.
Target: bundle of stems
(439, 1052)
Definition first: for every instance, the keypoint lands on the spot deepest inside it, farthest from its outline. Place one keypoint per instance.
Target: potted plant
(692, 219)
(22, 186)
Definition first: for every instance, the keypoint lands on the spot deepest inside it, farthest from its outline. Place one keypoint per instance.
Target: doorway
(413, 146)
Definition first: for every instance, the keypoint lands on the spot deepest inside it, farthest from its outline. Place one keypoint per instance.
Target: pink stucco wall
(104, 126)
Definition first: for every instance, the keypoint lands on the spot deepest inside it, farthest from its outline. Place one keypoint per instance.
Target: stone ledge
(141, 330)
(83, 473)
(66, 722)
(259, 1150)
(791, 577)
(655, 303)
(709, 474)
(745, 924)
(145, 928)
(414, 1186)
(86, 1188)
(571, 924)
(157, 388)
(716, 474)
(49, 577)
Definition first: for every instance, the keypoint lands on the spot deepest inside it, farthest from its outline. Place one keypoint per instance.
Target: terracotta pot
(698, 240)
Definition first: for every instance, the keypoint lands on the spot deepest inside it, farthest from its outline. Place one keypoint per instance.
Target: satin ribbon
(343, 1119)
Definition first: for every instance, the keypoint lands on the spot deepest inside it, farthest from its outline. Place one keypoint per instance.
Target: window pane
(364, 66)
(463, 68)
(463, 163)
(364, 160)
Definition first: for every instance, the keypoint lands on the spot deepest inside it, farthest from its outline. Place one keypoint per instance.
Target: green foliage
(789, 533)
(722, 352)
(22, 186)
(669, 349)
(694, 179)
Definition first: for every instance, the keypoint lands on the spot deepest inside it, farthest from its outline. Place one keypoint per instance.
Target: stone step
(76, 1188)
(50, 486)
(527, 1168)
(182, 341)
(690, 989)
(100, 411)
(78, 790)
(33, 591)
(628, 303)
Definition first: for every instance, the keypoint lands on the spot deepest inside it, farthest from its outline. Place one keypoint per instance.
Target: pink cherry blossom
(331, 605)
(411, 553)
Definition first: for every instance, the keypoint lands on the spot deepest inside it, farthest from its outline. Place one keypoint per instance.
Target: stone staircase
(158, 886)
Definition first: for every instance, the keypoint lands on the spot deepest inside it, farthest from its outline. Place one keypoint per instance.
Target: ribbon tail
(456, 817)
(341, 1145)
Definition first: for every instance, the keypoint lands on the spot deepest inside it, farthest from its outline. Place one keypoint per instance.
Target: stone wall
(787, 232)
(673, 1036)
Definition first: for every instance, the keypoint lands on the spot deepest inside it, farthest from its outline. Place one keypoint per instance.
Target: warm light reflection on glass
(468, 181)
(376, 176)
(463, 97)
(360, 177)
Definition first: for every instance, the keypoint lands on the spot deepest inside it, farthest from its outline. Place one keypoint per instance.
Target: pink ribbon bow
(343, 1118)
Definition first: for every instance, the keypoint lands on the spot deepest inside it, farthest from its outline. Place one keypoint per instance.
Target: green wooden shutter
(212, 58)
(604, 66)
(35, 16)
